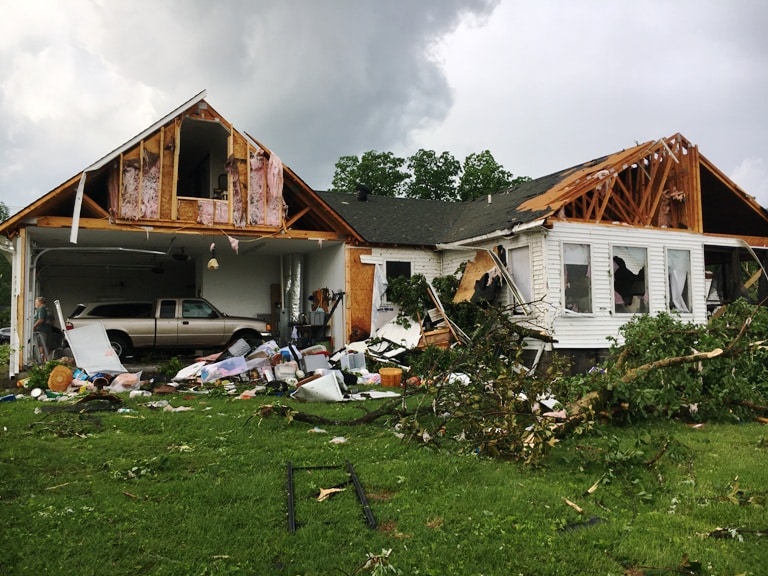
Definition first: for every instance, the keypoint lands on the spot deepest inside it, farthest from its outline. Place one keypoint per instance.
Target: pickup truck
(168, 323)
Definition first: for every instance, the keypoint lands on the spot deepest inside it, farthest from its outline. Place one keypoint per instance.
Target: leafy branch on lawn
(482, 398)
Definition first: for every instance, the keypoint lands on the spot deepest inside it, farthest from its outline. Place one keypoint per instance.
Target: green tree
(483, 175)
(433, 177)
(381, 172)
(424, 175)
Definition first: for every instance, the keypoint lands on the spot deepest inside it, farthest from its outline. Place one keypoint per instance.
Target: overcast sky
(542, 84)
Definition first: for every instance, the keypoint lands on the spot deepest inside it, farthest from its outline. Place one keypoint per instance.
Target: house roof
(635, 178)
(390, 220)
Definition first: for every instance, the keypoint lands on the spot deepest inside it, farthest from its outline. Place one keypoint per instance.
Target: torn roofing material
(664, 183)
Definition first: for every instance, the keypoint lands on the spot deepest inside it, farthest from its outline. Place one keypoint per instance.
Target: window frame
(624, 254)
(686, 293)
(587, 275)
(518, 308)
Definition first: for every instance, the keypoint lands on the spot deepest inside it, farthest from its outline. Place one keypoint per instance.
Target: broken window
(576, 274)
(679, 280)
(397, 269)
(519, 266)
(630, 293)
(735, 273)
(730, 274)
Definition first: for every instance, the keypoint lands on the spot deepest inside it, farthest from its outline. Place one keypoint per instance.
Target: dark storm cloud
(311, 80)
(542, 84)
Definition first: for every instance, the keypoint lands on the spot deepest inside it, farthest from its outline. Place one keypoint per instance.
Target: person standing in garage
(43, 327)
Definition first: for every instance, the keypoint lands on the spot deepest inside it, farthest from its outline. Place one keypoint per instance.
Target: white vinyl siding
(592, 330)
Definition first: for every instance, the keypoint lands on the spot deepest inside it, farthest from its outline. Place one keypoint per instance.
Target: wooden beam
(91, 205)
(296, 217)
(604, 203)
(659, 193)
(627, 196)
(189, 228)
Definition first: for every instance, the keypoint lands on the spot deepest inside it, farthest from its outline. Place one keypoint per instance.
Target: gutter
(506, 233)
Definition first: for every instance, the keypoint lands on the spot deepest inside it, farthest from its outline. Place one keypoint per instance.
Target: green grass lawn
(204, 492)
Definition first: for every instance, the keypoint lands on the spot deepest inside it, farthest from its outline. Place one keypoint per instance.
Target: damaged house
(575, 254)
(654, 228)
(144, 221)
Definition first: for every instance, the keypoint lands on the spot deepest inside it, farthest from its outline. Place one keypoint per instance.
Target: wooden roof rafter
(631, 188)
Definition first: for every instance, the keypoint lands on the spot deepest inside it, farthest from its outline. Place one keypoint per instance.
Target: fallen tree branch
(593, 402)
(635, 373)
(394, 407)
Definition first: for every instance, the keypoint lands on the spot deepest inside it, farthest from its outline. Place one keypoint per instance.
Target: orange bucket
(391, 377)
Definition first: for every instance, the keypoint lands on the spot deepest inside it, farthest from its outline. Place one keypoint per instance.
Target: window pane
(630, 294)
(678, 274)
(519, 263)
(576, 273)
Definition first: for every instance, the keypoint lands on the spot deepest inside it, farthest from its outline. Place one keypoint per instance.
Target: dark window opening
(731, 274)
(202, 155)
(398, 269)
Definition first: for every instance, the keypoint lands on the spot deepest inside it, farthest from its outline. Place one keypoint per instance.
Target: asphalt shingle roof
(414, 222)
(390, 220)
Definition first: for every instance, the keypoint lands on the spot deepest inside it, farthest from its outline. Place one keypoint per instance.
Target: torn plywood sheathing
(473, 271)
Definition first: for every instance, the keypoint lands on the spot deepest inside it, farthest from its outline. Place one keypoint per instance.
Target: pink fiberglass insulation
(129, 205)
(150, 185)
(238, 218)
(274, 191)
(256, 204)
(205, 212)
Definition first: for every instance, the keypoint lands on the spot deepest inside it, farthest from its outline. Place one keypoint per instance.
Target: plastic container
(391, 377)
(286, 370)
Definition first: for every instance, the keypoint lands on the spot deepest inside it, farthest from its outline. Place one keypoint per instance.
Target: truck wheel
(120, 344)
(253, 339)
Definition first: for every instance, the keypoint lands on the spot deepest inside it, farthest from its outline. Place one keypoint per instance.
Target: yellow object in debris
(60, 378)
